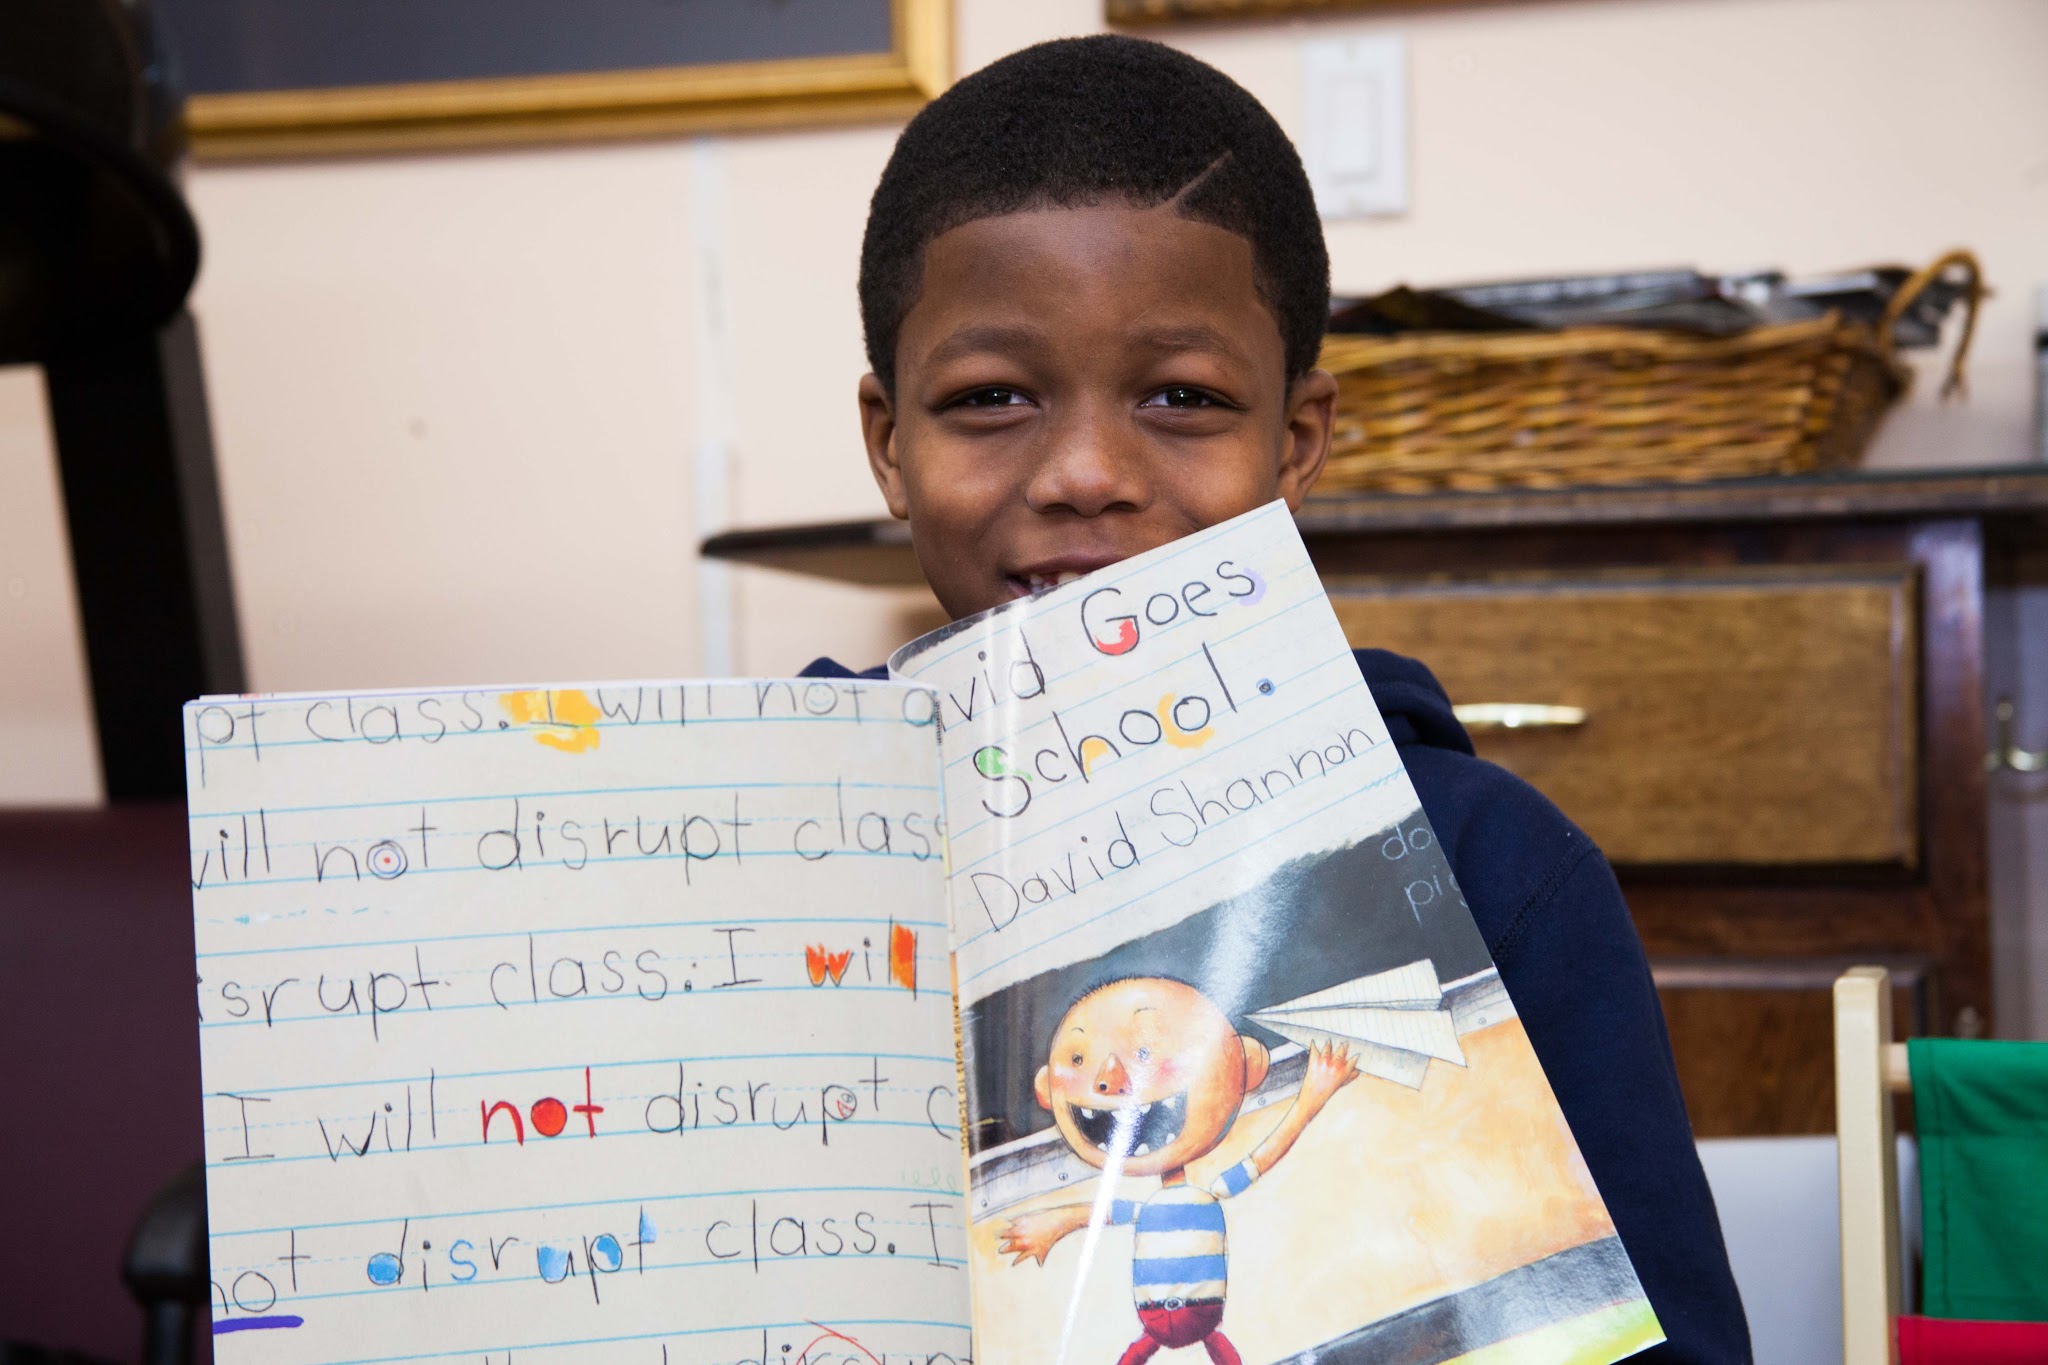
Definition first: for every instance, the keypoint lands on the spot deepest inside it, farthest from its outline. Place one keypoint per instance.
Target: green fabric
(1981, 1114)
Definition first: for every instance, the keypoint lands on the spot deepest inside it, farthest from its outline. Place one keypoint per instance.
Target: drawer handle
(2004, 753)
(1518, 715)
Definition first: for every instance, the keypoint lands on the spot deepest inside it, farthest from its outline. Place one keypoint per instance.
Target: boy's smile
(1079, 385)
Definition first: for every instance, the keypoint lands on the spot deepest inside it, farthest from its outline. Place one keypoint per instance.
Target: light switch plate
(1355, 140)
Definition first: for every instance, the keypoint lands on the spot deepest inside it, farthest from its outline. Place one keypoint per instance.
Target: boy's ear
(1257, 1061)
(1041, 1086)
(1311, 416)
(878, 430)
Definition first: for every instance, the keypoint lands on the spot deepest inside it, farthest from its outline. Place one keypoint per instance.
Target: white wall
(451, 403)
(47, 753)
(1807, 134)
(457, 399)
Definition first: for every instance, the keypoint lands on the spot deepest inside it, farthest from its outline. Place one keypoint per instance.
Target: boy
(1179, 1258)
(1094, 287)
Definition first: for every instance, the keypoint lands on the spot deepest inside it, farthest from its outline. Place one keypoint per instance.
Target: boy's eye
(1181, 396)
(994, 396)
(1077, 1059)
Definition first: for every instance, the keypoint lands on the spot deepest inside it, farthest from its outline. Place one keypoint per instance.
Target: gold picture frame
(657, 101)
(1141, 12)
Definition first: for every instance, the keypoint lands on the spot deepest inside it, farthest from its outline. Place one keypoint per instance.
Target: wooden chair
(1869, 1070)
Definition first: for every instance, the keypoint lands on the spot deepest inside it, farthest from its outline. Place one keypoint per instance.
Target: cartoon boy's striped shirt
(1181, 1255)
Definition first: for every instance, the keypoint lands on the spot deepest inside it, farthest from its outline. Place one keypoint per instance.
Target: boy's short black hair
(1078, 121)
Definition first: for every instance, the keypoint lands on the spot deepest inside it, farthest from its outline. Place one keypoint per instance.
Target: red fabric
(1954, 1341)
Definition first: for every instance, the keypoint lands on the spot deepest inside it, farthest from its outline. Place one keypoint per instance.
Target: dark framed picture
(350, 76)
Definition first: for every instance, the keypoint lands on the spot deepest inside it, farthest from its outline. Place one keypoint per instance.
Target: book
(1093, 988)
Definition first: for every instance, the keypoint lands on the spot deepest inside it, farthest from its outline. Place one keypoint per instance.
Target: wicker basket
(1604, 405)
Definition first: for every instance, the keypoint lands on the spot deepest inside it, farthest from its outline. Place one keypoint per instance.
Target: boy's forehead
(1175, 282)
(1124, 1001)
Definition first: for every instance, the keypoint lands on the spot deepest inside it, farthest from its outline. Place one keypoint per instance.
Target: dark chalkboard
(239, 46)
(321, 77)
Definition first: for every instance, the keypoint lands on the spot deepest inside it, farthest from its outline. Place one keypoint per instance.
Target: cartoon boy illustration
(1146, 1076)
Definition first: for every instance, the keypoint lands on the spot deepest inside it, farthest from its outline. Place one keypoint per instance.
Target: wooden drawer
(1746, 718)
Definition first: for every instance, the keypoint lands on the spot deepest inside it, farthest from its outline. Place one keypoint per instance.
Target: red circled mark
(831, 1335)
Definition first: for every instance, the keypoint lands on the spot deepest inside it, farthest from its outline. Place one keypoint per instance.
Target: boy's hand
(1331, 1067)
(1029, 1236)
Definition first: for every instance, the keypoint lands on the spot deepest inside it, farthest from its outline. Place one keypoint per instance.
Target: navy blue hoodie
(1553, 917)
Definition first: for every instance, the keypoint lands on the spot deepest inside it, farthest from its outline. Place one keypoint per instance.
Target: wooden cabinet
(1783, 737)
(1732, 717)
(1791, 776)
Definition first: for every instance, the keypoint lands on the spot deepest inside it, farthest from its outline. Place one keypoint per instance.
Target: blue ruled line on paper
(692, 1059)
(524, 728)
(713, 992)
(793, 1264)
(722, 859)
(750, 1328)
(444, 1216)
(568, 792)
(708, 1131)
(626, 928)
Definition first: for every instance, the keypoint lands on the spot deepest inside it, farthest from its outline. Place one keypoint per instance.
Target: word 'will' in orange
(822, 964)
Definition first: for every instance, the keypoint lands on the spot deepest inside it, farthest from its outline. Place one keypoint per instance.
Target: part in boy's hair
(1084, 121)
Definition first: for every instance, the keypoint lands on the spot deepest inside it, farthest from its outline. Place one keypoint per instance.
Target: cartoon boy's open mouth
(1132, 1130)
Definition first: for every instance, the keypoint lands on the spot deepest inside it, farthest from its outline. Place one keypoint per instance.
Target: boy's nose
(1112, 1079)
(1088, 468)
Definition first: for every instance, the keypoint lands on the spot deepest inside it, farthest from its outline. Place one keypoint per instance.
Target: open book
(1092, 990)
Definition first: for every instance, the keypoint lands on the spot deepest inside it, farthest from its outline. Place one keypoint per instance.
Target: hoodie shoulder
(1416, 709)
(1508, 845)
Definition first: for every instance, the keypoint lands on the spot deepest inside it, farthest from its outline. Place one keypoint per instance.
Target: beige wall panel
(797, 207)
(47, 751)
(1729, 134)
(450, 400)
(987, 29)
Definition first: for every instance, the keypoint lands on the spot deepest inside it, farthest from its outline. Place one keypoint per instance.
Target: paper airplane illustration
(1394, 1022)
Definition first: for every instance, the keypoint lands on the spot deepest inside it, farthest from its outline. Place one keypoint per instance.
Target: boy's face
(1147, 1073)
(1076, 386)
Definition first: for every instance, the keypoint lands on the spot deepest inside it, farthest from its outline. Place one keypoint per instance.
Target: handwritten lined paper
(566, 1024)
(1104, 739)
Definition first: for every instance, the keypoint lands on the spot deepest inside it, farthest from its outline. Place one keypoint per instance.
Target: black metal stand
(148, 546)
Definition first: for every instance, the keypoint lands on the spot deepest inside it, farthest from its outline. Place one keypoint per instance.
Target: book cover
(618, 1022)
